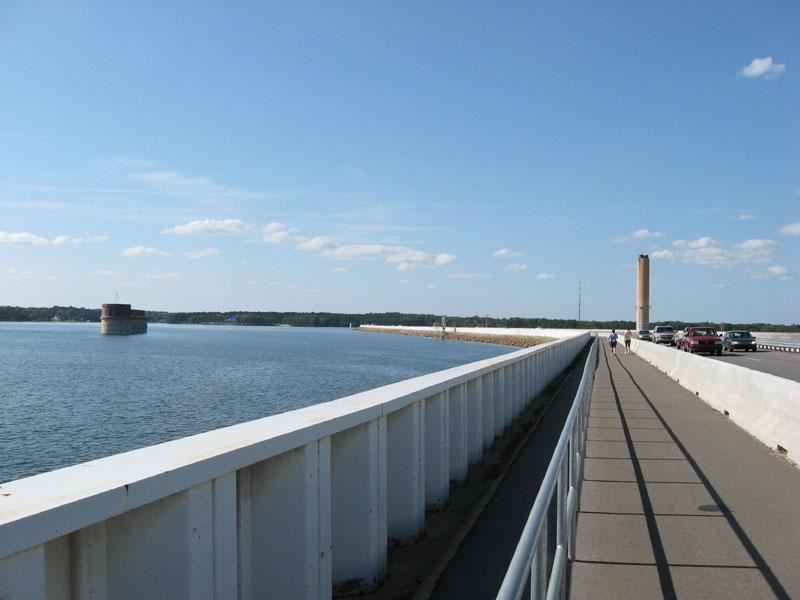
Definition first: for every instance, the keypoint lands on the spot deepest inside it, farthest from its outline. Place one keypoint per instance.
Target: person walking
(612, 341)
(627, 338)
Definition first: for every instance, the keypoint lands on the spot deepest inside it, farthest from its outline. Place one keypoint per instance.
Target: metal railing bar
(519, 568)
(557, 574)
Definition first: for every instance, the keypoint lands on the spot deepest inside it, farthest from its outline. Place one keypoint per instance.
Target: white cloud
(14, 273)
(506, 253)
(391, 254)
(276, 233)
(63, 240)
(662, 255)
(516, 267)
(544, 276)
(776, 270)
(791, 229)
(468, 275)
(404, 257)
(105, 273)
(645, 234)
(707, 252)
(745, 217)
(639, 234)
(313, 244)
(162, 276)
(703, 242)
(200, 254)
(124, 161)
(445, 259)
(209, 226)
(139, 251)
(180, 185)
(756, 251)
(338, 269)
(22, 239)
(400, 254)
(765, 67)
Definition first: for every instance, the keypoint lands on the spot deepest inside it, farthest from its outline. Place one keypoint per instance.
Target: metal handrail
(563, 476)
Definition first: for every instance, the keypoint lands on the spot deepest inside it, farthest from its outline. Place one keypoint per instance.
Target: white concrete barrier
(766, 406)
(290, 506)
(521, 331)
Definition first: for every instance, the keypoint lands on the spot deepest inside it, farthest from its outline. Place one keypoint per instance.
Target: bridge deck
(677, 501)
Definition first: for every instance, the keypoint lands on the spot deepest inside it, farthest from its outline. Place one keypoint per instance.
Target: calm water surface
(68, 394)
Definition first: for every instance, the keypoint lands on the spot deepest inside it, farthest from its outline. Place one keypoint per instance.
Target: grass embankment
(520, 341)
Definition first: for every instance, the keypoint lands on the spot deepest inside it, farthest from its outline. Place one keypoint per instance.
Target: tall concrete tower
(642, 292)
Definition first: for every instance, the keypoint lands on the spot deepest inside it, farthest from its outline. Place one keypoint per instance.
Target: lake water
(68, 394)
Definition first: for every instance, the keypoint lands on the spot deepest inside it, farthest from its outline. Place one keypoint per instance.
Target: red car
(701, 339)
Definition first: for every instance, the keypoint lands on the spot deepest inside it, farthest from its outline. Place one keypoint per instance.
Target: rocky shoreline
(519, 341)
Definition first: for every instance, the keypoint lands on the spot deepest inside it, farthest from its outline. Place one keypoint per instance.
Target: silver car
(664, 334)
(645, 336)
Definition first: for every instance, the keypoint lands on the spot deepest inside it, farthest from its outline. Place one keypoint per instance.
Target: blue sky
(454, 158)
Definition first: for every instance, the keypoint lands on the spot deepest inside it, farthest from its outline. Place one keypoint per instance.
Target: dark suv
(738, 340)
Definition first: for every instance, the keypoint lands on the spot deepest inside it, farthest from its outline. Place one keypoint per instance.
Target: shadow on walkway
(654, 521)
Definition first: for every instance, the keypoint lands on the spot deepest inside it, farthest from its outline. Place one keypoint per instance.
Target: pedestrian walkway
(677, 501)
(477, 569)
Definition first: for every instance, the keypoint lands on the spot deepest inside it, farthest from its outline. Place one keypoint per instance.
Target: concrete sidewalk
(677, 501)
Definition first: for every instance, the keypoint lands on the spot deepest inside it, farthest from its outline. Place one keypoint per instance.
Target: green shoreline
(330, 319)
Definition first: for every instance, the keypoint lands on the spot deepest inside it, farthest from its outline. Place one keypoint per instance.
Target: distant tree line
(327, 319)
(51, 313)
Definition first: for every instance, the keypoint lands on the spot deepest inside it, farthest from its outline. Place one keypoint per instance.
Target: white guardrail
(764, 405)
(561, 484)
(289, 506)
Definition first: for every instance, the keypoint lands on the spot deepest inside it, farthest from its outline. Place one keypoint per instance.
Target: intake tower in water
(121, 319)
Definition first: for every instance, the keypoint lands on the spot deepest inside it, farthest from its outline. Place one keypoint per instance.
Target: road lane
(774, 362)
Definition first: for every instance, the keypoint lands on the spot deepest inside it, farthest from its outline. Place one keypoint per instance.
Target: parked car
(664, 334)
(701, 339)
(738, 340)
(645, 336)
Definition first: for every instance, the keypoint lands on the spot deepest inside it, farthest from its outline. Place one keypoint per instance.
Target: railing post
(437, 451)
(88, 555)
(358, 506)
(23, 575)
(286, 497)
(508, 395)
(499, 401)
(405, 481)
(474, 420)
(488, 400)
(459, 451)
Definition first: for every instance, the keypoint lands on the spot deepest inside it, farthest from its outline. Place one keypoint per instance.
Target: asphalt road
(774, 362)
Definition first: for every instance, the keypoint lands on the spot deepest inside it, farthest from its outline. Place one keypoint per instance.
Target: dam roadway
(774, 362)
